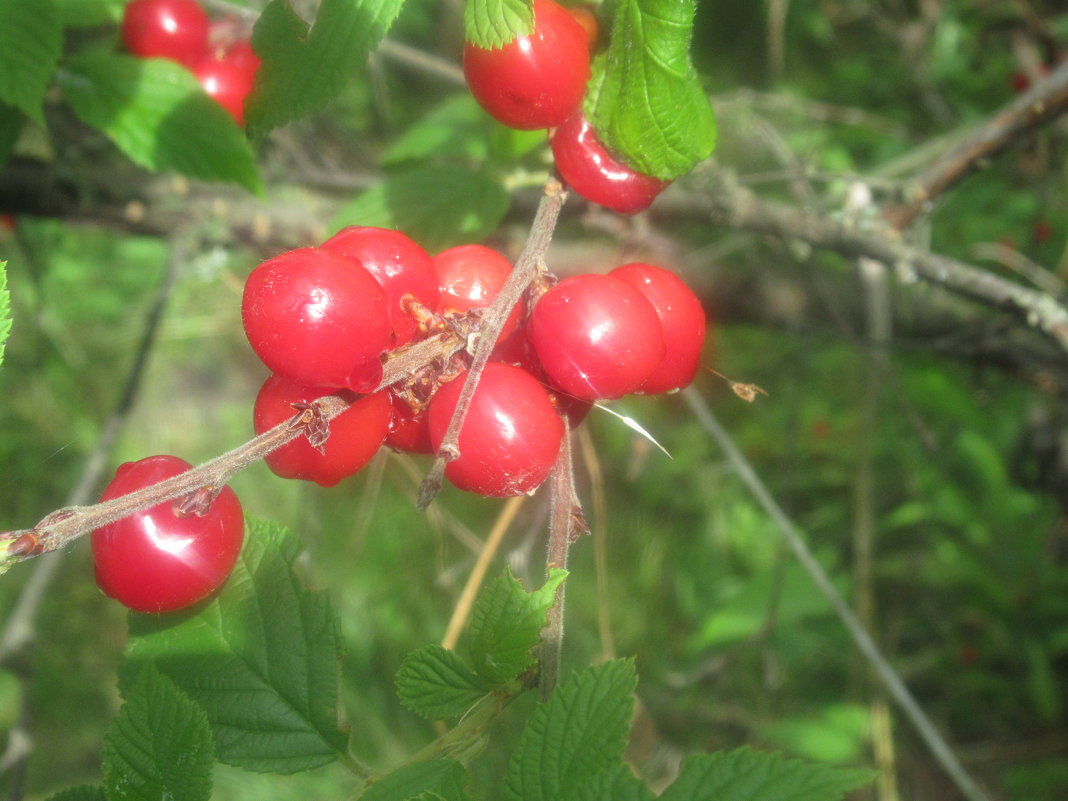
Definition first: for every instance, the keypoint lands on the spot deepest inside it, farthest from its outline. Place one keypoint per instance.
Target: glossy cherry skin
(399, 265)
(355, 435)
(156, 561)
(228, 80)
(591, 171)
(317, 318)
(510, 438)
(408, 432)
(174, 29)
(470, 277)
(534, 81)
(596, 336)
(585, 14)
(682, 319)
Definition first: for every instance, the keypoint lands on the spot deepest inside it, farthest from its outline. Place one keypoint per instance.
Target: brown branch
(64, 525)
(526, 269)
(1042, 103)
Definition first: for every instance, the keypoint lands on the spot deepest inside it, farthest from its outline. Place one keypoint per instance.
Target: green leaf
(5, 309)
(159, 746)
(261, 659)
(158, 115)
(618, 784)
(644, 98)
(11, 124)
(83, 792)
(437, 684)
(84, 13)
(304, 68)
(456, 128)
(444, 777)
(31, 41)
(744, 774)
(580, 732)
(436, 206)
(506, 622)
(492, 23)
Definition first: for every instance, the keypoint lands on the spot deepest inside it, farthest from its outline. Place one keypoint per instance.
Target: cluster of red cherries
(539, 81)
(217, 53)
(324, 320)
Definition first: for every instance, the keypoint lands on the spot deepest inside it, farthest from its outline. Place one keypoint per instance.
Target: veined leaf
(304, 68)
(644, 99)
(492, 23)
(437, 684)
(31, 40)
(159, 747)
(158, 115)
(261, 659)
(436, 206)
(618, 784)
(443, 777)
(744, 774)
(83, 13)
(506, 624)
(579, 733)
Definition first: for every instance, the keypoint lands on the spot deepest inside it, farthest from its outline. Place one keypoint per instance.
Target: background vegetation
(915, 435)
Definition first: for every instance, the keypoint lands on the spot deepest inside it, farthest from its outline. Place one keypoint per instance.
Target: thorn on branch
(197, 503)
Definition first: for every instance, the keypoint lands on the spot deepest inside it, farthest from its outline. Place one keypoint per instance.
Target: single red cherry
(534, 81)
(589, 169)
(596, 336)
(585, 14)
(510, 437)
(317, 318)
(682, 319)
(174, 29)
(355, 435)
(470, 277)
(408, 432)
(399, 265)
(157, 560)
(228, 80)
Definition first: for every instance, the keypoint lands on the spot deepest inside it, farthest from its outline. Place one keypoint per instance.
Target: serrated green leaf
(456, 128)
(156, 112)
(490, 24)
(744, 774)
(506, 622)
(261, 659)
(580, 732)
(304, 69)
(159, 747)
(445, 777)
(644, 98)
(436, 206)
(5, 309)
(437, 684)
(618, 784)
(31, 41)
(83, 792)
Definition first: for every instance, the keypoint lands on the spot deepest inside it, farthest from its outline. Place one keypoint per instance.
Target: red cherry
(157, 561)
(355, 435)
(228, 80)
(589, 169)
(585, 14)
(408, 432)
(596, 336)
(399, 265)
(682, 319)
(317, 318)
(510, 437)
(470, 277)
(174, 29)
(534, 81)
(241, 52)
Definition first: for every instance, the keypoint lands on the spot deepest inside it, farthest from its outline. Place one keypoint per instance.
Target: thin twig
(894, 685)
(525, 271)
